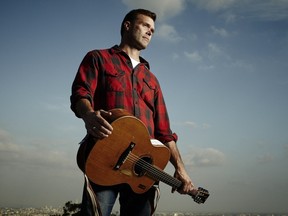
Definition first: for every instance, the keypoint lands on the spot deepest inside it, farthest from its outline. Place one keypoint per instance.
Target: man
(119, 78)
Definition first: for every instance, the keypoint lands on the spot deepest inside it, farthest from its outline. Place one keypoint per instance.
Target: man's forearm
(175, 158)
(83, 106)
(180, 171)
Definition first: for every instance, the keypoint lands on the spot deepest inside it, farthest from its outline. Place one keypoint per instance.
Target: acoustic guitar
(127, 156)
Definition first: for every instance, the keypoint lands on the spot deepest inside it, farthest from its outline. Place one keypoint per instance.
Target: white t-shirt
(134, 62)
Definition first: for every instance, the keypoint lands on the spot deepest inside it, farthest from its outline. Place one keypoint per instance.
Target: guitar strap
(155, 200)
(92, 196)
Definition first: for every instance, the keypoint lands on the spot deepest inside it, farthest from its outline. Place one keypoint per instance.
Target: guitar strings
(202, 194)
(154, 171)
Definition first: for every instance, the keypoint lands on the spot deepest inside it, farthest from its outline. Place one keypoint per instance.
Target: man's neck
(132, 52)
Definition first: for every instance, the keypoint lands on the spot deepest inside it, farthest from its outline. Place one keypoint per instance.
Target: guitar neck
(159, 175)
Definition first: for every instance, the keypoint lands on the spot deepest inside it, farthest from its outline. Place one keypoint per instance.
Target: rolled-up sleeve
(163, 131)
(84, 84)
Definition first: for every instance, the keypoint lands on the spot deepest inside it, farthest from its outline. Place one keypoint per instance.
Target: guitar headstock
(201, 196)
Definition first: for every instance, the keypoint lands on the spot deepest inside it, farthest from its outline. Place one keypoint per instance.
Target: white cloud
(168, 33)
(267, 10)
(193, 56)
(215, 51)
(56, 103)
(61, 107)
(204, 157)
(219, 31)
(232, 10)
(213, 5)
(195, 125)
(163, 8)
(214, 48)
(33, 155)
(214, 56)
(192, 124)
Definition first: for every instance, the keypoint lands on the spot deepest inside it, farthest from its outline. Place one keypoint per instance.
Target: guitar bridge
(123, 156)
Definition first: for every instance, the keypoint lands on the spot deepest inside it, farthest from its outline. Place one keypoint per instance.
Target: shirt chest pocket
(148, 91)
(114, 81)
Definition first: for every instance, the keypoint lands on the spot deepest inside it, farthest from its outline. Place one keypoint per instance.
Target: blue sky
(223, 68)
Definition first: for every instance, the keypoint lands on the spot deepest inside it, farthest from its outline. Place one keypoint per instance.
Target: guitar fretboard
(159, 175)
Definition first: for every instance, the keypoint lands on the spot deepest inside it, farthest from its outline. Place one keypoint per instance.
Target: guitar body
(118, 158)
(128, 157)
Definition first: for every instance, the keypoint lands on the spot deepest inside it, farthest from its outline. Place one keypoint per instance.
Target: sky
(222, 65)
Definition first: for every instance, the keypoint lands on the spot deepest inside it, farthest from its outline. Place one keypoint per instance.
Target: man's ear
(127, 25)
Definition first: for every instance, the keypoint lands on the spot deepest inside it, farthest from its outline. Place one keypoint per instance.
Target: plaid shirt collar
(116, 49)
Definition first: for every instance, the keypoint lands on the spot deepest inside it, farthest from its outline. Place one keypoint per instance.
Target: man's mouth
(145, 38)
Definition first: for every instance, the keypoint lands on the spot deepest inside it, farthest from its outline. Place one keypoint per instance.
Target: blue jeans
(131, 204)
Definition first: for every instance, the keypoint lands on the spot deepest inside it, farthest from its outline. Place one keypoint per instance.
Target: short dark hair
(132, 15)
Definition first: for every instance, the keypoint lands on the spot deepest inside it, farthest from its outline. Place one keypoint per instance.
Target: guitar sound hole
(142, 165)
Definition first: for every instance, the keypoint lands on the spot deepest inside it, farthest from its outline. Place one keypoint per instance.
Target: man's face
(141, 31)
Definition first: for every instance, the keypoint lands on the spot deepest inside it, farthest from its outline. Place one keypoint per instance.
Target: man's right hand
(96, 125)
(95, 122)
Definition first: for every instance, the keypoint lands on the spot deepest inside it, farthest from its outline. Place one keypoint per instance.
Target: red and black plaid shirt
(107, 79)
